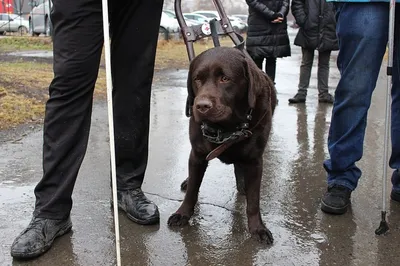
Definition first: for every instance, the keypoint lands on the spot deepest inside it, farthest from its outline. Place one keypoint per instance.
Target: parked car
(237, 24)
(208, 13)
(196, 17)
(168, 24)
(39, 18)
(13, 23)
(242, 17)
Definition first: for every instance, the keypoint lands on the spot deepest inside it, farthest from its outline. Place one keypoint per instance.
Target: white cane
(111, 125)
(384, 227)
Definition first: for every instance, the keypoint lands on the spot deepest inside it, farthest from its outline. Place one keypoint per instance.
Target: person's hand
(278, 20)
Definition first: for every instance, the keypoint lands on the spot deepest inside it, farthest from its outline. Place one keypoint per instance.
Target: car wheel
(163, 34)
(22, 30)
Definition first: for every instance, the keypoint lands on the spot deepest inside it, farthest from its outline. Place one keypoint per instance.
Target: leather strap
(223, 147)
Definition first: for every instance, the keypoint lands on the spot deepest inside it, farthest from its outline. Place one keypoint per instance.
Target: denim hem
(342, 183)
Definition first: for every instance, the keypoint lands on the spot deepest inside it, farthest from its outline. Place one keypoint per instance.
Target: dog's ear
(257, 79)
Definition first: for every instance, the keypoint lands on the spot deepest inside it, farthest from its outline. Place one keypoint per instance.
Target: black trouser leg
(68, 110)
(259, 61)
(270, 67)
(135, 30)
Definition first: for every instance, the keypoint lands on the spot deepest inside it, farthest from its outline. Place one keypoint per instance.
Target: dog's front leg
(197, 168)
(252, 176)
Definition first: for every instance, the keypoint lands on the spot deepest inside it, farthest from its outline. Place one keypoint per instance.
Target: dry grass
(24, 91)
(21, 43)
(24, 85)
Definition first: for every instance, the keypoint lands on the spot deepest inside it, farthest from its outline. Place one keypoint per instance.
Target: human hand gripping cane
(383, 227)
(111, 125)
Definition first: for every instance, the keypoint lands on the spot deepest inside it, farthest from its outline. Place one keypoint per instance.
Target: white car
(237, 24)
(208, 13)
(242, 17)
(13, 23)
(39, 18)
(196, 17)
(168, 24)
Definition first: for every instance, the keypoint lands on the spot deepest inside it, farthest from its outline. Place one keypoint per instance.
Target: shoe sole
(297, 101)
(151, 221)
(333, 210)
(46, 248)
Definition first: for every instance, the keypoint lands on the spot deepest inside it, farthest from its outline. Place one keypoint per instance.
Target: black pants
(270, 65)
(78, 42)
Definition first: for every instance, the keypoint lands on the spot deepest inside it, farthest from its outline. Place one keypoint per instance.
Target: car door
(38, 16)
(3, 23)
(14, 23)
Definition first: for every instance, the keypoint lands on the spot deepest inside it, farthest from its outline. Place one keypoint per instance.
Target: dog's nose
(203, 105)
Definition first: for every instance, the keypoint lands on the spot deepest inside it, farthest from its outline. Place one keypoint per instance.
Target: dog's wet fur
(225, 85)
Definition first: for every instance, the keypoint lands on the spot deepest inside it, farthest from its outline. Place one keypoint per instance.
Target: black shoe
(325, 98)
(395, 196)
(298, 98)
(336, 199)
(137, 207)
(38, 237)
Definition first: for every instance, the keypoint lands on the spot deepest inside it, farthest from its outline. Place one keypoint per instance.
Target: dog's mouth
(220, 114)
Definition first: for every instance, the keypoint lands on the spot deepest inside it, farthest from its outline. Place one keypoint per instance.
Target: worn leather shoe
(298, 98)
(326, 98)
(138, 207)
(336, 200)
(38, 237)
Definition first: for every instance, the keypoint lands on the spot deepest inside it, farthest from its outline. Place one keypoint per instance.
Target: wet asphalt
(293, 182)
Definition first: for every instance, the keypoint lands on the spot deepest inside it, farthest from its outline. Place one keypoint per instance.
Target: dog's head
(224, 84)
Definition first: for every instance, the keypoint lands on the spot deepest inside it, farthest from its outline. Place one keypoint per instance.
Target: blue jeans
(362, 30)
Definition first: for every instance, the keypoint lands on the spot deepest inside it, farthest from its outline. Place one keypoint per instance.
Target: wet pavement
(293, 182)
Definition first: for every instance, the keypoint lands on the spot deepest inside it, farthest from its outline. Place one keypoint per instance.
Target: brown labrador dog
(232, 111)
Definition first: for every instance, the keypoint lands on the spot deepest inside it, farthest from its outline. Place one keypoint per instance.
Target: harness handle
(213, 29)
(197, 32)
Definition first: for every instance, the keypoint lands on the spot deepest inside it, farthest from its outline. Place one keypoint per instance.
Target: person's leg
(323, 77)
(78, 39)
(395, 118)
(305, 75)
(270, 67)
(259, 61)
(359, 62)
(135, 27)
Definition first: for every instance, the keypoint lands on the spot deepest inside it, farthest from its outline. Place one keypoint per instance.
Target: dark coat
(264, 38)
(317, 22)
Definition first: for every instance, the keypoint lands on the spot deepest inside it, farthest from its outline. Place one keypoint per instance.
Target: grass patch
(17, 109)
(22, 43)
(24, 84)
(24, 91)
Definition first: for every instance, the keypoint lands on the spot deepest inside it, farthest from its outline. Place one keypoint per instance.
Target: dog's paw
(263, 235)
(178, 219)
(184, 184)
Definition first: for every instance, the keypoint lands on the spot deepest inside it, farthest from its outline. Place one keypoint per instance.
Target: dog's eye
(224, 79)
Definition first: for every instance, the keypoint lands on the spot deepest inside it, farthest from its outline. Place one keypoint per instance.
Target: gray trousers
(323, 70)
